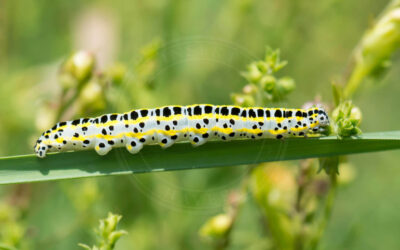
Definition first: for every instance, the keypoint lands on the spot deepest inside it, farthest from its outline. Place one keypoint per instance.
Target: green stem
(299, 239)
(303, 182)
(234, 212)
(259, 97)
(356, 78)
(327, 211)
(65, 106)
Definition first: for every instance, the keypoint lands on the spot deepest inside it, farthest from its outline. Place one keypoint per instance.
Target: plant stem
(357, 76)
(64, 106)
(327, 211)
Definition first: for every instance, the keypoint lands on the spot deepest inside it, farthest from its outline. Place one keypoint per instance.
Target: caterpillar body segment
(166, 125)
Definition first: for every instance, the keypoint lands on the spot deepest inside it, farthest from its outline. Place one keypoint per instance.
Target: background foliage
(155, 53)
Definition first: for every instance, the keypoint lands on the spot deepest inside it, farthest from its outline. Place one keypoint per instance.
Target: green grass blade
(29, 168)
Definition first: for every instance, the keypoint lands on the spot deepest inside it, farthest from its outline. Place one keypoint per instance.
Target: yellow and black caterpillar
(166, 125)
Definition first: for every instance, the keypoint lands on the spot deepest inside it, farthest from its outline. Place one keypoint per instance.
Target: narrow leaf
(29, 168)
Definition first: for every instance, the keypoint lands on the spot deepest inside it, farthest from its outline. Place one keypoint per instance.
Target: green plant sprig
(107, 233)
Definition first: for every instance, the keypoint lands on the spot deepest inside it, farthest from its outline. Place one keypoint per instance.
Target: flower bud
(355, 115)
(347, 128)
(249, 89)
(107, 232)
(217, 226)
(80, 66)
(243, 100)
(268, 82)
(286, 85)
(253, 73)
(380, 42)
(84, 63)
(273, 60)
(109, 224)
(92, 96)
(347, 118)
(375, 49)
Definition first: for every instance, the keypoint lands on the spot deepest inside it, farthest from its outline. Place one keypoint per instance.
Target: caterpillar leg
(133, 145)
(197, 139)
(315, 129)
(166, 141)
(102, 147)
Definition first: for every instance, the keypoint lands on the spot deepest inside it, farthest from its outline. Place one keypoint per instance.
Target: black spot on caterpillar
(166, 125)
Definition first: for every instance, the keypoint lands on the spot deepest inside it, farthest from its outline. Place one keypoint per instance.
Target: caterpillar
(166, 125)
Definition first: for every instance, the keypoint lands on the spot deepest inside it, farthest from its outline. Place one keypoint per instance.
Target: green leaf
(29, 168)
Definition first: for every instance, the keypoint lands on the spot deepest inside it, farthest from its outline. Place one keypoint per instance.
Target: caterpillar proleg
(166, 125)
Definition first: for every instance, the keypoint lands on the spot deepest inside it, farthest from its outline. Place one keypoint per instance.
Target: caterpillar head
(40, 147)
(322, 118)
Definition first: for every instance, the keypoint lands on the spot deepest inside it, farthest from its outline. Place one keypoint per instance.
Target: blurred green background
(183, 52)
